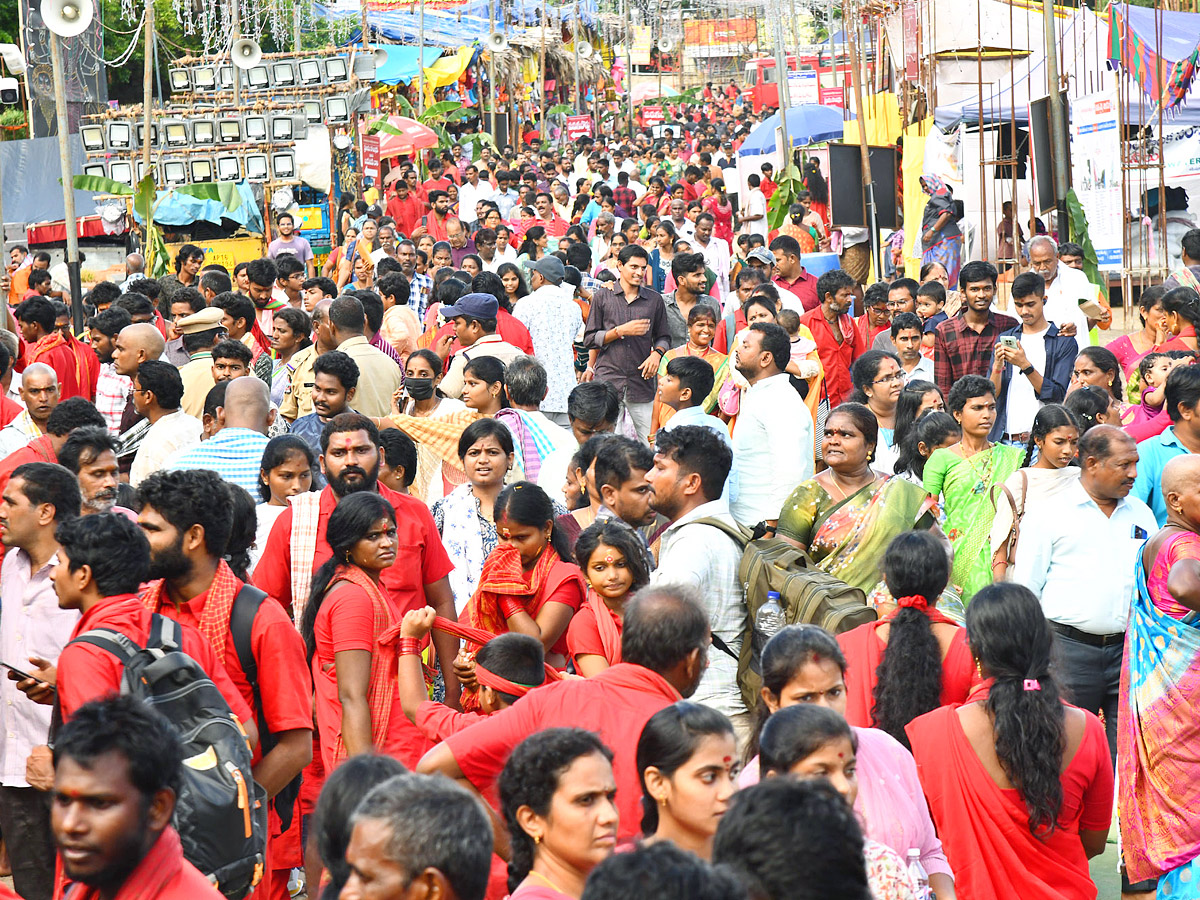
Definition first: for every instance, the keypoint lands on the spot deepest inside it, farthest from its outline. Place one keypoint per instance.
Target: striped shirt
(233, 453)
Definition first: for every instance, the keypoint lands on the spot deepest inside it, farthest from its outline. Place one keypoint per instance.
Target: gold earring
(537, 839)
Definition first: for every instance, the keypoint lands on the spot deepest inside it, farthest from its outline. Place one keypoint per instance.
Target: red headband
(914, 601)
(500, 683)
(486, 678)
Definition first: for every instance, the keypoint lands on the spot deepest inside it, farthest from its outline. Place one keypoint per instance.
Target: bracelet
(410, 646)
(511, 607)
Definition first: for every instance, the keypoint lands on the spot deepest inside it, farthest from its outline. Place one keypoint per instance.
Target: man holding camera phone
(1032, 363)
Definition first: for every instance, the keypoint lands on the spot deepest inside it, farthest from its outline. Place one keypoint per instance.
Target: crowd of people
(464, 527)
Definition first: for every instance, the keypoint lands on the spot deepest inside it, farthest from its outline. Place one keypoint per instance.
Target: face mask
(419, 388)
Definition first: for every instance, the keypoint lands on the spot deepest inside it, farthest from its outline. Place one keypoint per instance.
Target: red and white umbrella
(413, 137)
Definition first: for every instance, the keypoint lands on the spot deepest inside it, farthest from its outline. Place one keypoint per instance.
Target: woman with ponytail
(556, 794)
(915, 659)
(1019, 782)
(803, 664)
(687, 761)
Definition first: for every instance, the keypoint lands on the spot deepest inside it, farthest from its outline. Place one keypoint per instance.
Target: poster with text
(1096, 175)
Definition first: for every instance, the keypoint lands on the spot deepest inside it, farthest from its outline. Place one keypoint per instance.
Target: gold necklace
(836, 483)
(549, 882)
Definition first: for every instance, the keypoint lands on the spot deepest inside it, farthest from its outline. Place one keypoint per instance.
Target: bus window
(751, 78)
(770, 75)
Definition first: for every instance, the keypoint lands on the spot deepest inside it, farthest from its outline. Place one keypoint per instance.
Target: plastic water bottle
(917, 875)
(769, 621)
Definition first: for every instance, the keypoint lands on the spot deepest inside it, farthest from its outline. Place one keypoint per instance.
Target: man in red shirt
(297, 547)
(790, 273)
(838, 341)
(188, 525)
(437, 180)
(692, 190)
(77, 366)
(555, 225)
(116, 779)
(664, 645)
(435, 223)
(405, 208)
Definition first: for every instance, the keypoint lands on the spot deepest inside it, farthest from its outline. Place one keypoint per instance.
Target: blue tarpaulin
(180, 209)
(402, 65)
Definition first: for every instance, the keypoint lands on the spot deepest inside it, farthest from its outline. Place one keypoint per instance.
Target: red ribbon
(500, 683)
(913, 601)
(479, 636)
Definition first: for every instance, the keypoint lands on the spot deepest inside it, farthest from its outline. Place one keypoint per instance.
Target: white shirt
(756, 205)
(31, 624)
(553, 320)
(1062, 301)
(707, 558)
(469, 195)
(922, 371)
(1023, 403)
(172, 432)
(15, 435)
(716, 257)
(771, 449)
(1082, 562)
(685, 231)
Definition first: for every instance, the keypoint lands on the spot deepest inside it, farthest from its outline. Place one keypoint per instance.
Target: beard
(101, 502)
(352, 480)
(125, 857)
(171, 563)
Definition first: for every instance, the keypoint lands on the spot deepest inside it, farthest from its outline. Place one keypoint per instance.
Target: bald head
(134, 263)
(40, 372)
(136, 344)
(1103, 441)
(247, 404)
(1180, 476)
(39, 391)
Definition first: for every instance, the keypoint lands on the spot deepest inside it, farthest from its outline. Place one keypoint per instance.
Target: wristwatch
(1027, 370)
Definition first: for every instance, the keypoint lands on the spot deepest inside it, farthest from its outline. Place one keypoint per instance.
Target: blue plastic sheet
(180, 209)
(402, 66)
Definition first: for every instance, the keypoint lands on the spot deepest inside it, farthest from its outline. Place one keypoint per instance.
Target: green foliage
(144, 204)
(788, 185)
(563, 109)
(1079, 234)
(13, 125)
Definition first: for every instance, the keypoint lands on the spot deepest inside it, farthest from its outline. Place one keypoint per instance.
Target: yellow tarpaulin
(882, 120)
(448, 69)
(914, 198)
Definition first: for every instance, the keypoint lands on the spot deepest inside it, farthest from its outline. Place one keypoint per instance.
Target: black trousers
(25, 821)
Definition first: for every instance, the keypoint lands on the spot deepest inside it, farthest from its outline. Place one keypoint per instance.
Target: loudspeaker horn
(67, 18)
(586, 50)
(245, 53)
(381, 56)
(665, 45)
(13, 58)
(496, 42)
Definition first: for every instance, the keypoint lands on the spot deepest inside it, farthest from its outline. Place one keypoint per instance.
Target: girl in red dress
(614, 567)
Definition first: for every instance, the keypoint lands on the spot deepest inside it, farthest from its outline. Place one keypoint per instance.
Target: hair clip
(1032, 684)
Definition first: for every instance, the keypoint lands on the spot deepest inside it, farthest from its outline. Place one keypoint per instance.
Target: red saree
(985, 829)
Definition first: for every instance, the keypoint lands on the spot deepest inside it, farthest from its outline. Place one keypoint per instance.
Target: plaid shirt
(233, 453)
(625, 198)
(112, 391)
(420, 290)
(959, 350)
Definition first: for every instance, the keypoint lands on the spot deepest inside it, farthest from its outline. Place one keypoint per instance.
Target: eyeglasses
(889, 379)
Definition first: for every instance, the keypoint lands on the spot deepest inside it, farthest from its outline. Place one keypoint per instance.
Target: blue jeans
(1091, 677)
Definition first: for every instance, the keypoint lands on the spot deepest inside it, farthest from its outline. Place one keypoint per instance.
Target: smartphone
(1007, 340)
(22, 674)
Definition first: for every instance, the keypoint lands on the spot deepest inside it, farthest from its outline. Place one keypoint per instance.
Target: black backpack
(241, 627)
(220, 813)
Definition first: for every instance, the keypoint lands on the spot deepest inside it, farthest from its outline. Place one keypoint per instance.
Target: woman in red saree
(1019, 782)
(916, 659)
(528, 584)
(614, 566)
(351, 631)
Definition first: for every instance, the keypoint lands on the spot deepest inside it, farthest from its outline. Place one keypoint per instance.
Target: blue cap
(472, 306)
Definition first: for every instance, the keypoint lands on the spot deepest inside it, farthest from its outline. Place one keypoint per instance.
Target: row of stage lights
(254, 167)
(209, 78)
(169, 133)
